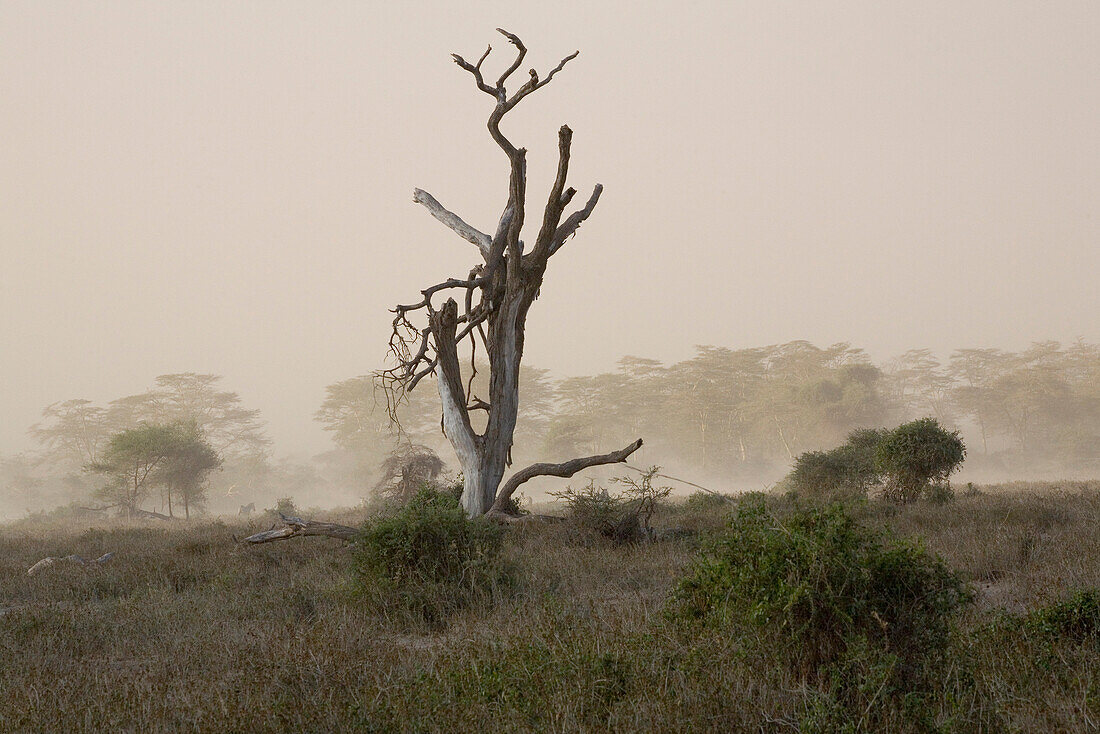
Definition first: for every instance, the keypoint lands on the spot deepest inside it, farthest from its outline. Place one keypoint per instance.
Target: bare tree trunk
(783, 438)
(498, 295)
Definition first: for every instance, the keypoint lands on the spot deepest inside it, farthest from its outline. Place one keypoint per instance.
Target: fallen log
(51, 560)
(152, 515)
(294, 527)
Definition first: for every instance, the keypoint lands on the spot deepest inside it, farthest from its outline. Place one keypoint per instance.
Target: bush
(940, 493)
(284, 506)
(709, 502)
(917, 455)
(824, 595)
(846, 471)
(1076, 618)
(429, 559)
(624, 517)
(594, 509)
(404, 472)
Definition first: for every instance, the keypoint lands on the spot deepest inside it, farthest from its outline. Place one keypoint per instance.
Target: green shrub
(846, 471)
(284, 506)
(814, 588)
(593, 508)
(917, 455)
(940, 493)
(625, 516)
(429, 559)
(1076, 618)
(709, 502)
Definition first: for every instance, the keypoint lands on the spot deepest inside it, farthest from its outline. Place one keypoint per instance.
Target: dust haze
(815, 218)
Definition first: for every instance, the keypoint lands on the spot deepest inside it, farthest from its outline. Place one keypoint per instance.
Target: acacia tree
(133, 461)
(496, 296)
(191, 459)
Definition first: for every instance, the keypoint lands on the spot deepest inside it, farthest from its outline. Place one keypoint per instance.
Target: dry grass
(186, 630)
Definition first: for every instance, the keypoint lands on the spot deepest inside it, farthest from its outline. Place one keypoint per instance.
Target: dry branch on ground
(78, 560)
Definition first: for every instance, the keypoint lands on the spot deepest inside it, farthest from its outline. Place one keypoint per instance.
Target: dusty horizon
(227, 188)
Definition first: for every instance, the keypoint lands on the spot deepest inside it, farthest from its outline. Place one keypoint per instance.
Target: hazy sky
(226, 186)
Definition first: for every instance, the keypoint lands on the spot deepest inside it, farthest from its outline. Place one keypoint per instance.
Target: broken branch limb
(564, 469)
(296, 526)
(552, 212)
(569, 227)
(470, 283)
(521, 52)
(452, 221)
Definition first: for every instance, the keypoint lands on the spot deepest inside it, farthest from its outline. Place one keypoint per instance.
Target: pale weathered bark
(51, 560)
(294, 527)
(498, 294)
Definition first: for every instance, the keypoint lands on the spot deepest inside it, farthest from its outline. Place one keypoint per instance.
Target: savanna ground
(187, 630)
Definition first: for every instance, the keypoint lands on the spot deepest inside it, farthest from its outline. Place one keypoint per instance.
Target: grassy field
(187, 630)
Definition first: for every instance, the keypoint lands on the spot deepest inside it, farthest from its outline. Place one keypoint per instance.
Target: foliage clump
(846, 471)
(428, 559)
(829, 600)
(917, 456)
(1076, 618)
(911, 461)
(624, 516)
(284, 506)
(404, 471)
(175, 456)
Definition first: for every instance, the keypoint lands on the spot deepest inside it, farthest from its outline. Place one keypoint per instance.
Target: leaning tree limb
(51, 560)
(294, 527)
(452, 221)
(564, 469)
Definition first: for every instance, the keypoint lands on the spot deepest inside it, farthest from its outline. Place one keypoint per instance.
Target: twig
(682, 481)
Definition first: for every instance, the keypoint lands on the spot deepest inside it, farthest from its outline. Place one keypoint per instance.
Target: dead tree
(495, 297)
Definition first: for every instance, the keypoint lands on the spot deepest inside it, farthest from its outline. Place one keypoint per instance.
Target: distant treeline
(74, 437)
(736, 415)
(746, 413)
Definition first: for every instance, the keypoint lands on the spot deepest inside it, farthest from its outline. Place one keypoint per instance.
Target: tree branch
(453, 221)
(448, 371)
(470, 283)
(557, 199)
(534, 83)
(569, 227)
(476, 71)
(564, 469)
(514, 40)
